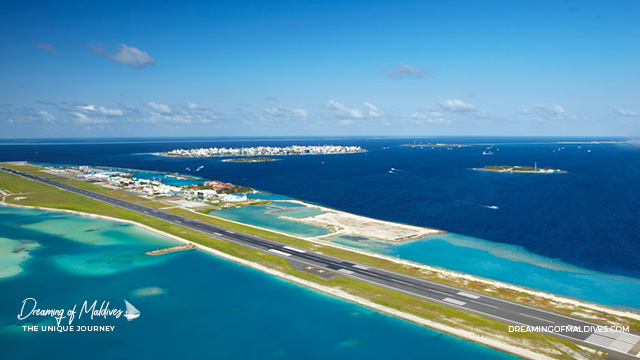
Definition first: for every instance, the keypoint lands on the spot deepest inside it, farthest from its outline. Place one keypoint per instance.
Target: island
(521, 169)
(264, 151)
(336, 269)
(434, 145)
(249, 159)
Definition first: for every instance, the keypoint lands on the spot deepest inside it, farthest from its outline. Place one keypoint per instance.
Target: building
(206, 194)
(234, 198)
(217, 185)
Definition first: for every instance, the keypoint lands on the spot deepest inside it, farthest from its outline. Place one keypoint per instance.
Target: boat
(493, 207)
(131, 312)
(487, 153)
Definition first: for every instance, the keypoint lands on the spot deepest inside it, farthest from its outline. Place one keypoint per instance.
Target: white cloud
(286, 112)
(432, 117)
(404, 71)
(87, 107)
(112, 112)
(159, 118)
(161, 108)
(92, 109)
(373, 110)
(457, 106)
(94, 115)
(194, 106)
(554, 111)
(24, 116)
(624, 112)
(345, 122)
(46, 116)
(191, 113)
(47, 47)
(83, 119)
(340, 110)
(79, 115)
(127, 55)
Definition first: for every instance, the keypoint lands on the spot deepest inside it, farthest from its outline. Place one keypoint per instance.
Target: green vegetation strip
(41, 195)
(507, 294)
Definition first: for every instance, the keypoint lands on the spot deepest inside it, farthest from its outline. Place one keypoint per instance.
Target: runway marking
(279, 252)
(462, 293)
(178, 221)
(537, 318)
(608, 339)
(454, 301)
(618, 341)
(294, 249)
(215, 233)
(345, 271)
(453, 289)
(361, 267)
(230, 232)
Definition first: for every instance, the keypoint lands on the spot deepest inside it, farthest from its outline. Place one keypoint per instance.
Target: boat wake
(399, 171)
(492, 207)
(395, 171)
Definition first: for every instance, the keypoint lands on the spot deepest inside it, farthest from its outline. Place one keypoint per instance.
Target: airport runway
(620, 345)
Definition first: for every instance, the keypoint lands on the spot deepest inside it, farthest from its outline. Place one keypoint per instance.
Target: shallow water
(264, 217)
(192, 304)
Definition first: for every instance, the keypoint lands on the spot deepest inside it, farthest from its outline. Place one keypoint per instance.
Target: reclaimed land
(521, 169)
(456, 322)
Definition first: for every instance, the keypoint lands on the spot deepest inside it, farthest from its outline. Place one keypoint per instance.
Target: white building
(206, 194)
(234, 198)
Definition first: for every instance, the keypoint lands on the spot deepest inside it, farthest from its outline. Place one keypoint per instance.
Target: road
(620, 345)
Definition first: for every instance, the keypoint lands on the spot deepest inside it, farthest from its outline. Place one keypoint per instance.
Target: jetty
(171, 249)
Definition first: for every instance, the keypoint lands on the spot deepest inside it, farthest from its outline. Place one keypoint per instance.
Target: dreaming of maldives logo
(89, 310)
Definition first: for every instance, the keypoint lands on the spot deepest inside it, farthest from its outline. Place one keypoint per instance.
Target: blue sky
(263, 68)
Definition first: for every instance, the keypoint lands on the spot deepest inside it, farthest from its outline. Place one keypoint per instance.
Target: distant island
(265, 151)
(435, 145)
(250, 159)
(521, 169)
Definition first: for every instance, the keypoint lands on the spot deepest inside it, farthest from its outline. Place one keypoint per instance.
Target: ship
(487, 153)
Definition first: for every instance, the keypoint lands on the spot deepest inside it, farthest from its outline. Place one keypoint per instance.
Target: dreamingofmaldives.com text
(568, 328)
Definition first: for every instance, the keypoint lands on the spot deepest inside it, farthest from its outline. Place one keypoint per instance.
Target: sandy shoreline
(324, 289)
(444, 272)
(453, 274)
(344, 223)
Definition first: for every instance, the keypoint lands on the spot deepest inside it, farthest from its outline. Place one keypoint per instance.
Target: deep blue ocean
(588, 217)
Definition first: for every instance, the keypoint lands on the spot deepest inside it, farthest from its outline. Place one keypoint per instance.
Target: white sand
(465, 334)
(344, 223)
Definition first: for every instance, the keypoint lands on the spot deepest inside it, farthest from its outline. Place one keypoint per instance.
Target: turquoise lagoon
(168, 179)
(226, 311)
(511, 264)
(269, 217)
(507, 263)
